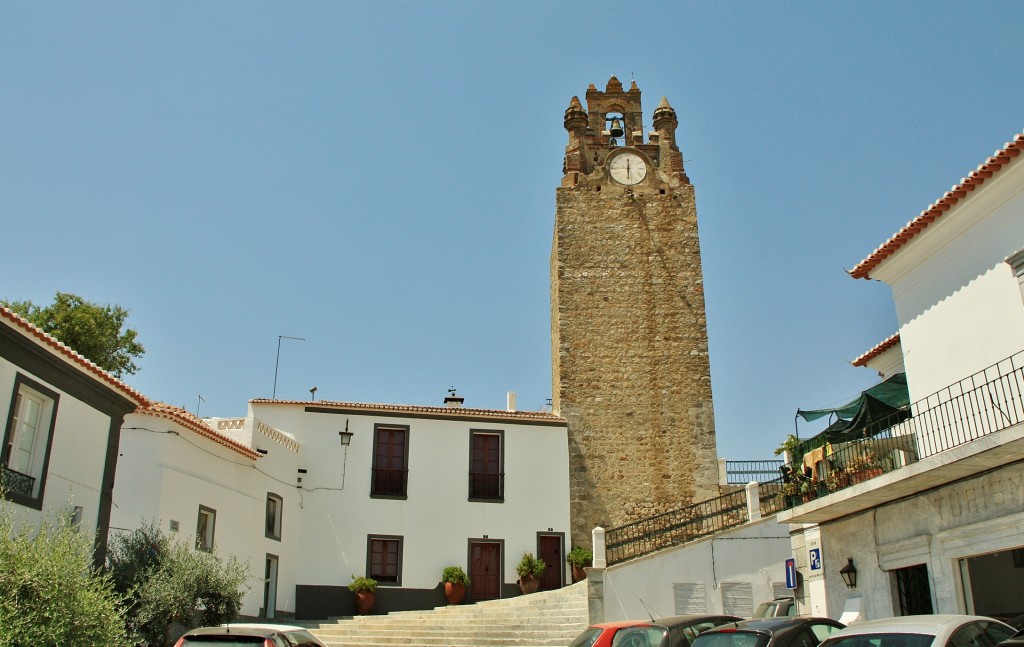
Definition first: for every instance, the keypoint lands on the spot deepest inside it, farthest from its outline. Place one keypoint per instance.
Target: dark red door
(485, 570)
(550, 550)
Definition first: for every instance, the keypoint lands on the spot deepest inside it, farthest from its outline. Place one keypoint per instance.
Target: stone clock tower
(629, 338)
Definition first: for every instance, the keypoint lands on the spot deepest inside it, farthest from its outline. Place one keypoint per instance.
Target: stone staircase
(545, 618)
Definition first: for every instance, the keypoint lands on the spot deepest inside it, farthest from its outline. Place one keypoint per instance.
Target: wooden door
(549, 548)
(485, 570)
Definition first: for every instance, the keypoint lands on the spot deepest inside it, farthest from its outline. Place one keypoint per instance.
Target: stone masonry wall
(630, 353)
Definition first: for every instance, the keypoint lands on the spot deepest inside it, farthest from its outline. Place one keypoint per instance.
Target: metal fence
(989, 401)
(743, 472)
(676, 527)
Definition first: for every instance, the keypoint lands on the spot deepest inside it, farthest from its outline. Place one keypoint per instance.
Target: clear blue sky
(379, 178)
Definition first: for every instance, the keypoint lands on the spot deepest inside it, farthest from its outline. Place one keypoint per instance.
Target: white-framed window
(27, 441)
(275, 505)
(205, 525)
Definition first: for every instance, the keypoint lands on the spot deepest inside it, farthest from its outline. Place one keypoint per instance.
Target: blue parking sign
(815, 559)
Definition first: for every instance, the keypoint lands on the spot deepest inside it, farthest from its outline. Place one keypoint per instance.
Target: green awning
(874, 411)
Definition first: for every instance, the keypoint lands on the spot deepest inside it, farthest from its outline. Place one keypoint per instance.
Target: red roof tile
(974, 179)
(197, 425)
(877, 350)
(71, 356)
(452, 412)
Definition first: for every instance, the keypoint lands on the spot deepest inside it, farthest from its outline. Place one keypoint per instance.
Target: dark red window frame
(390, 461)
(384, 559)
(486, 465)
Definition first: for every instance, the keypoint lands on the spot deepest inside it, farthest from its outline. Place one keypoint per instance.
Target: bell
(616, 129)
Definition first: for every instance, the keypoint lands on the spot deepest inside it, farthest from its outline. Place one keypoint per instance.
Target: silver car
(936, 630)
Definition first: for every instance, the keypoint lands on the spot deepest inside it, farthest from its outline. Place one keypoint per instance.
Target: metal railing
(743, 472)
(389, 482)
(16, 482)
(984, 403)
(676, 527)
(486, 485)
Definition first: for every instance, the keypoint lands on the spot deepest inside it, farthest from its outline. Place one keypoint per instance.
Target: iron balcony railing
(389, 482)
(676, 527)
(486, 485)
(743, 472)
(989, 401)
(16, 482)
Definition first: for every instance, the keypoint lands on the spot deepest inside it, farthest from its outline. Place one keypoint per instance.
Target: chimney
(452, 400)
(510, 401)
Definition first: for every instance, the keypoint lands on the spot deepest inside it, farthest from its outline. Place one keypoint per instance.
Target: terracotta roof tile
(460, 412)
(877, 350)
(999, 160)
(197, 425)
(71, 356)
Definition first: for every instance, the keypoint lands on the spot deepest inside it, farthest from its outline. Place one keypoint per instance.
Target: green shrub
(454, 575)
(167, 582)
(530, 565)
(579, 556)
(362, 584)
(50, 593)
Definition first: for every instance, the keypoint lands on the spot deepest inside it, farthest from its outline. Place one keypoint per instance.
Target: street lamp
(849, 573)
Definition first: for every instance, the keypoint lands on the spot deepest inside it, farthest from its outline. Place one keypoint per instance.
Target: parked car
(1016, 641)
(938, 630)
(673, 631)
(777, 608)
(801, 631)
(242, 633)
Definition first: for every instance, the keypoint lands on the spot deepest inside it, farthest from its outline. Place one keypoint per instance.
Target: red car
(674, 631)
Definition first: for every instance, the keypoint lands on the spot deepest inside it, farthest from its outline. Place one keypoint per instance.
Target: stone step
(548, 618)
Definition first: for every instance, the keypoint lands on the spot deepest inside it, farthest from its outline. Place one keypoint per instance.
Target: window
(205, 527)
(486, 476)
(384, 559)
(390, 461)
(27, 441)
(274, 505)
(913, 590)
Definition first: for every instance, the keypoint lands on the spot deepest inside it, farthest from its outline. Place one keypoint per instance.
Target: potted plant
(530, 569)
(579, 558)
(864, 466)
(808, 489)
(455, 581)
(364, 589)
(790, 493)
(788, 448)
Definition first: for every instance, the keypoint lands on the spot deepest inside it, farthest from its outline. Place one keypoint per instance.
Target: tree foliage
(50, 593)
(96, 331)
(168, 583)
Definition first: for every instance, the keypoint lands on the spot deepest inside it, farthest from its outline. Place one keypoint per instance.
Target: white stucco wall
(167, 476)
(436, 520)
(77, 456)
(936, 528)
(958, 303)
(754, 553)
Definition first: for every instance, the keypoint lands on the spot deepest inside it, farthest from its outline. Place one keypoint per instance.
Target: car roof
(693, 618)
(264, 625)
(772, 625)
(922, 624)
(619, 624)
(243, 629)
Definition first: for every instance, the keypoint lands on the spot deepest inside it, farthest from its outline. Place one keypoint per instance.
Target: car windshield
(731, 639)
(639, 637)
(587, 638)
(766, 610)
(301, 638)
(881, 640)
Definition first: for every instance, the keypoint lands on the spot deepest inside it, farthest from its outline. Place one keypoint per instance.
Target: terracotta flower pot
(529, 584)
(364, 602)
(578, 573)
(455, 593)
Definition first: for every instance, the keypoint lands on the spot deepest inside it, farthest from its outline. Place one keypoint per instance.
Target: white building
(939, 525)
(62, 427)
(311, 493)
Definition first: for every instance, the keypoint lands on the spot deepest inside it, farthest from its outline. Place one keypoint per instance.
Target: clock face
(627, 168)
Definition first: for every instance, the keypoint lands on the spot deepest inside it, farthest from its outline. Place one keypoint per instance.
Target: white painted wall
(754, 553)
(958, 304)
(436, 520)
(75, 472)
(167, 476)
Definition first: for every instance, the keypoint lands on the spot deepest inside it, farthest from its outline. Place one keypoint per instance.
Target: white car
(923, 631)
